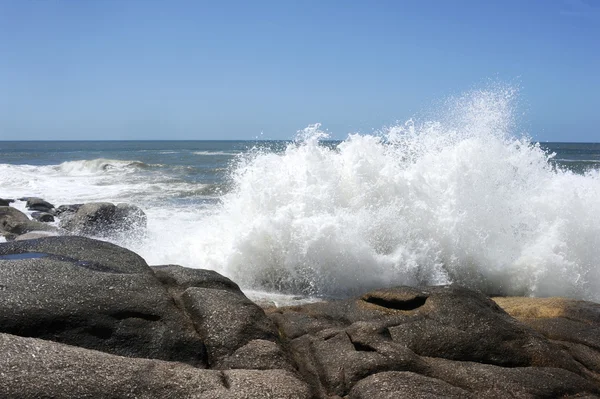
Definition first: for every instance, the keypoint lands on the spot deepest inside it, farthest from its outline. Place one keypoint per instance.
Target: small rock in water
(38, 204)
(6, 202)
(42, 216)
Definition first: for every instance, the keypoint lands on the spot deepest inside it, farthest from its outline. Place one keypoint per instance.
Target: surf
(459, 200)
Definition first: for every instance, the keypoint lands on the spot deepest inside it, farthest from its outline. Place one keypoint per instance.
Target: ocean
(463, 199)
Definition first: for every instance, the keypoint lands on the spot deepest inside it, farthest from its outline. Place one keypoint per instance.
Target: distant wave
(101, 165)
(214, 153)
(592, 161)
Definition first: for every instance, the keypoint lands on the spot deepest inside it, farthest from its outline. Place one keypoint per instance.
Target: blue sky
(127, 69)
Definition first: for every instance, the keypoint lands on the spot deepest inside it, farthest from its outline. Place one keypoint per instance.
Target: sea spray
(461, 197)
(461, 200)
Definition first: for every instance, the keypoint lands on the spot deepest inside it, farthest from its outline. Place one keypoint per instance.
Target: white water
(461, 199)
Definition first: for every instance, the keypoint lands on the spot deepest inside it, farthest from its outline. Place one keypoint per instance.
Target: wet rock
(14, 223)
(129, 217)
(34, 368)
(67, 209)
(11, 217)
(38, 204)
(95, 295)
(42, 217)
(6, 202)
(103, 219)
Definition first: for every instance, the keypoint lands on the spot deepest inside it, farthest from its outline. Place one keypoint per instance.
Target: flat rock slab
(33, 368)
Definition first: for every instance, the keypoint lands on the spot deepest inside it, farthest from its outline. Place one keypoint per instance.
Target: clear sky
(146, 69)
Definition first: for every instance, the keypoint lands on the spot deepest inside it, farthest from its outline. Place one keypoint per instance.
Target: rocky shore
(83, 318)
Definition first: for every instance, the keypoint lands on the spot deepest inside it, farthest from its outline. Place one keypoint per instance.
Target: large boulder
(337, 344)
(102, 219)
(6, 202)
(92, 294)
(11, 217)
(33, 368)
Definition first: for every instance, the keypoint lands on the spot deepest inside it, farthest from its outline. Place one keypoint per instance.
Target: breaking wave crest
(459, 200)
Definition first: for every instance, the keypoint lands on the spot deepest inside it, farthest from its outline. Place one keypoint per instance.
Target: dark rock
(34, 368)
(15, 222)
(404, 384)
(6, 202)
(32, 235)
(178, 279)
(38, 204)
(488, 381)
(336, 344)
(11, 217)
(129, 217)
(95, 295)
(223, 335)
(103, 219)
(32, 225)
(258, 355)
(42, 217)
(68, 209)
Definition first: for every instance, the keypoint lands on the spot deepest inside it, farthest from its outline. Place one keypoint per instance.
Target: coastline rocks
(338, 343)
(11, 217)
(6, 202)
(85, 318)
(245, 322)
(34, 368)
(14, 223)
(102, 219)
(92, 294)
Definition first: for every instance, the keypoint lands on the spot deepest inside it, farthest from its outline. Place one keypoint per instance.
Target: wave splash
(460, 200)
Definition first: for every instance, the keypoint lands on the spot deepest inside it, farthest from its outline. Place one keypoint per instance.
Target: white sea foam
(459, 200)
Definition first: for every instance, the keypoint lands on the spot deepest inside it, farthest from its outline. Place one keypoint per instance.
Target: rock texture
(14, 223)
(95, 295)
(33, 368)
(102, 219)
(85, 318)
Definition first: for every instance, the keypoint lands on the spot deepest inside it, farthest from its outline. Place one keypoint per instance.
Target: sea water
(462, 197)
